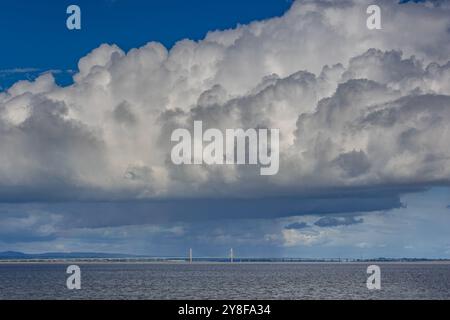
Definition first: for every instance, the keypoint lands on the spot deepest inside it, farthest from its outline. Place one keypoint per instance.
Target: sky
(86, 118)
(39, 27)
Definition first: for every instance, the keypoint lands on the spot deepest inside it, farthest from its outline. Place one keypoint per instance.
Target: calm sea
(225, 281)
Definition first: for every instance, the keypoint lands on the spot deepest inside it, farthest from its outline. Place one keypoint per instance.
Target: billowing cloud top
(357, 109)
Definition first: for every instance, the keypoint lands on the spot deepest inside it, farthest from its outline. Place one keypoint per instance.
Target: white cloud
(352, 112)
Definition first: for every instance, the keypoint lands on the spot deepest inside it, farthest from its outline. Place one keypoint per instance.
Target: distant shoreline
(205, 262)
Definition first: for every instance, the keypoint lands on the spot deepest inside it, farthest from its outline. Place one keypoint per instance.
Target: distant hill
(13, 255)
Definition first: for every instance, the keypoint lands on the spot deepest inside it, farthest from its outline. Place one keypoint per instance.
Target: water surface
(225, 281)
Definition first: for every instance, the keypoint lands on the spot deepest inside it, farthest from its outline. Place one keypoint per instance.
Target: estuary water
(225, 281)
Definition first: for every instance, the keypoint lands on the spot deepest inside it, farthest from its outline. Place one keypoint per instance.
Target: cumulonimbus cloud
(358, 110)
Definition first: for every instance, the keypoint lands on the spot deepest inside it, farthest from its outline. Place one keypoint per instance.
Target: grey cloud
(328, 222)
(116, 213)
(296, 226)
(31, 226)
(353, 163)
(383, 67)
(123, 114)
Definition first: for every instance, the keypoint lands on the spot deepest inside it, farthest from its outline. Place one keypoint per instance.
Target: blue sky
(38, 39)
(85, 141)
